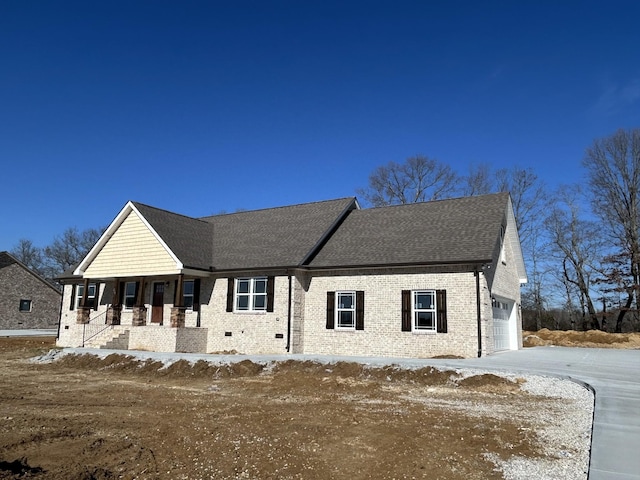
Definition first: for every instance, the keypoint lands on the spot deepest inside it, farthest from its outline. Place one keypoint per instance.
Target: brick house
(27, 301)
(417, 280)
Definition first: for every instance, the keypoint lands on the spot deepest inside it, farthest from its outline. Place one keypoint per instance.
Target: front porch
(159, 313)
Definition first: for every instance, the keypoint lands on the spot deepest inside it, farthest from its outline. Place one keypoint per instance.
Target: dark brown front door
(158, 303)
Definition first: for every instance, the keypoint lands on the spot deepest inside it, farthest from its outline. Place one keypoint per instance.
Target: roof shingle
(274, 237)
(456, 230)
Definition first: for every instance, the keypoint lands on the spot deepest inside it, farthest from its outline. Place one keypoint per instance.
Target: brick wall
(266, 332)
(18, 284)
(243, 332)
(382, 335)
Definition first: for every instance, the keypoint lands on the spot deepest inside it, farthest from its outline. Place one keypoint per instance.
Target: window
(424, 310)
(129, 297)
(91, 295)
(503, 254)
(251, 294)
(187, 294)
(190, 294)
(345, 310)
(25, 305)
(248, 294)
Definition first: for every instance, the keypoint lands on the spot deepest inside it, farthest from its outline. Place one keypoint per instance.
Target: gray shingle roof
(457, 230)
(274, 237)
(6, 260)
(190, 239)
(461, 230)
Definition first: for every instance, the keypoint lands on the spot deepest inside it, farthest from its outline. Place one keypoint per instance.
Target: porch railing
(94, 327)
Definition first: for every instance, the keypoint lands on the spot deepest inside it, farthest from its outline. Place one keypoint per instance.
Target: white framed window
(346, 310)
(25, 305)
(251, 294)
(187, 294)
(129, 297)
(424, 311)
(91, 295)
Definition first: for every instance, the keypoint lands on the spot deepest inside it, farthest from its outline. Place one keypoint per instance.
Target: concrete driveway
(615, 377)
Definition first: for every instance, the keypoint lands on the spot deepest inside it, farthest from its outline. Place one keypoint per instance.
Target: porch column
(115, 310)
(139, 309)
(83, 310)
(177, 312)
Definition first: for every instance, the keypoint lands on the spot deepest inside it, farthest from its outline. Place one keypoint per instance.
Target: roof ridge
(279, 207)
(199, 219)
(439, 200)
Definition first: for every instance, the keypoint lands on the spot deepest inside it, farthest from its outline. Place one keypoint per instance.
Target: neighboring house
(416, 280)
(27, 301)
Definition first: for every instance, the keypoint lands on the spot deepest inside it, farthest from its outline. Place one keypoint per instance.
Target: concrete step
(120, 342)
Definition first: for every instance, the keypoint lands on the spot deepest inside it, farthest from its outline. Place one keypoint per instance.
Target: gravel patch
(563, 429)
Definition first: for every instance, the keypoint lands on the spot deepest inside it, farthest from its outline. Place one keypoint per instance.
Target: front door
(157, 303)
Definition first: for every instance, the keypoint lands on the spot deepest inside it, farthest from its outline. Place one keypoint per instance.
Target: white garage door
(501, 325)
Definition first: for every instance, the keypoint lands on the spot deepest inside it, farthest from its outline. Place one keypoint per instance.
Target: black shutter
(175, 293)
(121, 293)
(359, 310)
(270, 290)
(230, 295)
(441, 305)
(196, 295)
(406, 310)
(96, 298)
(72, 305)
(331, 312)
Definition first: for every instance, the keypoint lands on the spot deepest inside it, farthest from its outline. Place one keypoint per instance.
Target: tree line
(65, 251)
(581, 242)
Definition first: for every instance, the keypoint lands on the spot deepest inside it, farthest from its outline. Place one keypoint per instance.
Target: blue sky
(202, 107)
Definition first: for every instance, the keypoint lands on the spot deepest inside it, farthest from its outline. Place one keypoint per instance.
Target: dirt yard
(85, 418)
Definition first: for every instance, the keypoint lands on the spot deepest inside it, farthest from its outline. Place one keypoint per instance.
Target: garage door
(501, 324)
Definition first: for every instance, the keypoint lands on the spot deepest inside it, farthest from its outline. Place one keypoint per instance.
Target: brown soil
(591, 338)
(86, 418)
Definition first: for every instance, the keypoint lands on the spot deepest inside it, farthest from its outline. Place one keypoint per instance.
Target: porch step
(121, 342)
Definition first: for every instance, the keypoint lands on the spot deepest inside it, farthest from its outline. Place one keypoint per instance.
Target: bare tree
(613, 168)
(418, 179)
(68, 249)
(479, 181)
(30, 255)
(576, 244)
(533, 297)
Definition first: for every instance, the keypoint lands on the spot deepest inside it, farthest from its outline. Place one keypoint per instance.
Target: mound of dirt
(590, 338)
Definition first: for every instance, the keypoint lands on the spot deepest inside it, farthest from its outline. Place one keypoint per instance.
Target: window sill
(250, 312)
(424, 332)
